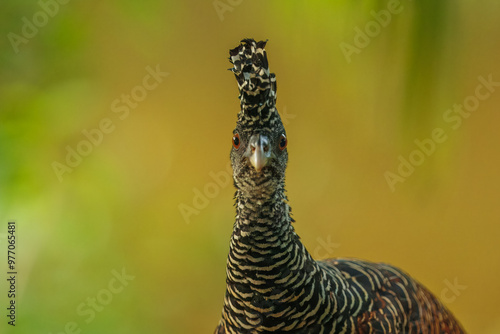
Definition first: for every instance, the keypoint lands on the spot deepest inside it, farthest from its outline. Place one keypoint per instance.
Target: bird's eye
(283, 142)
(236, 141)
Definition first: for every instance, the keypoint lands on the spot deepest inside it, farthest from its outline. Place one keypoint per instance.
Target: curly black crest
(257, 86)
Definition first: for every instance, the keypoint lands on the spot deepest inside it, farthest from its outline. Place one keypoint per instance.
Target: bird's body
(273, 283)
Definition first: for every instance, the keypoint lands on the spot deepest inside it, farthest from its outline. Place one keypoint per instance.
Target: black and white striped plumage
(273, 284)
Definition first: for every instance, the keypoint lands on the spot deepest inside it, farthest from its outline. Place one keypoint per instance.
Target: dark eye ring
(236, 141)
(283, 142)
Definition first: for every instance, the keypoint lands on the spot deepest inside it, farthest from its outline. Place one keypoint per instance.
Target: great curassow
(273, 284)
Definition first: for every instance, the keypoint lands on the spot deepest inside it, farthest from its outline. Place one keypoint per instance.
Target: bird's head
(259, 153)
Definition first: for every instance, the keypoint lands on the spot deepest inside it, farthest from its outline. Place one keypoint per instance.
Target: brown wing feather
(392, 301)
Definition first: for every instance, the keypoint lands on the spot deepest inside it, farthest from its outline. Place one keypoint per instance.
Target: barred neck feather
(273, 284)
(259, 215)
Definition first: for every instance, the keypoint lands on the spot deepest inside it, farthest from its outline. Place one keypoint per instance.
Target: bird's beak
(259, 151)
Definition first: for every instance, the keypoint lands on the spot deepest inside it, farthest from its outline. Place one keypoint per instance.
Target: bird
(273, 284)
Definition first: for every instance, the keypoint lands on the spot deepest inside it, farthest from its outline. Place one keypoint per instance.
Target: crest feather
(257, 86)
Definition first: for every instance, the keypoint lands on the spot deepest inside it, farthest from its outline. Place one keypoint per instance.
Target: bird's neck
(262, 234)
(262, 214)
(269, 271)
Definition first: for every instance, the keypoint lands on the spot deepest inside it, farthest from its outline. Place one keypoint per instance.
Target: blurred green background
(358, 83)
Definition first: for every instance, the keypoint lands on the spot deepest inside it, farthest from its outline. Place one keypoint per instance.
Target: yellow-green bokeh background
(347, 125)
